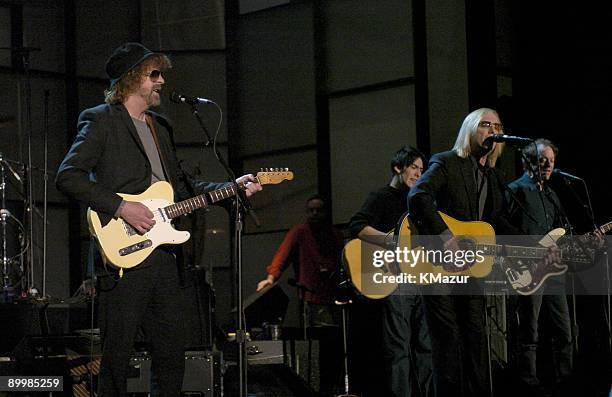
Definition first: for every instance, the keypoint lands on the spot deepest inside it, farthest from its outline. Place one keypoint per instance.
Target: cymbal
(13, 162)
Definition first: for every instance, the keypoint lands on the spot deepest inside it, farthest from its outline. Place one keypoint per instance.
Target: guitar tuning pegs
(286, 168)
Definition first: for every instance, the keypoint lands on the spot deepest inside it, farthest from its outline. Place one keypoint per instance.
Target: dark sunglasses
(155, 74)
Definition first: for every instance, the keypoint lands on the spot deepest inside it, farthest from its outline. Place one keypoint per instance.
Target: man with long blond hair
(463, 184)
(121, 146)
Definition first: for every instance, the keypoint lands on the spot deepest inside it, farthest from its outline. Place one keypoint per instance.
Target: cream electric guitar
(123, 247)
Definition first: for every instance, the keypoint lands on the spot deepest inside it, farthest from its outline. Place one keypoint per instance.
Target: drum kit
(17, 240)
(13, 240)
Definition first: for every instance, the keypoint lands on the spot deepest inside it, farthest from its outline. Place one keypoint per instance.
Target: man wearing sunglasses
(464, 184)
(121, 146)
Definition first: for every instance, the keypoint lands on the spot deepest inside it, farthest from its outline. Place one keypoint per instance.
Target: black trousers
(529, 309)
(147, 298)
(458, 341)
(406, 347)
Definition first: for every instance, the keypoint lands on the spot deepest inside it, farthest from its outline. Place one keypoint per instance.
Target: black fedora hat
(124, 58)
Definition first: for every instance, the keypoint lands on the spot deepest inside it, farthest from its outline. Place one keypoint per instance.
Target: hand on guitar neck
(595, 239)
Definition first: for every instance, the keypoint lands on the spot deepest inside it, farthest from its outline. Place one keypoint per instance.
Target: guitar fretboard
(605, 228)
(513, 251)
(201, 201)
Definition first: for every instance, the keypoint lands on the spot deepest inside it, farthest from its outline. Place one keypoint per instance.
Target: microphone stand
(45, 190)
(589, 210)
(302, 289)
(608, 303)
(209, 140)
(241, 205)
(24, 53)
(343, 301)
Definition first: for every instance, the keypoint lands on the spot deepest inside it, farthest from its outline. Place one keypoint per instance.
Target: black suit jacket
(107, 157)
(533, 211)
(449, 185)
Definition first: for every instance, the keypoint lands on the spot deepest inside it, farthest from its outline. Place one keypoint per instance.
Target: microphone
(566, 175)
(178, 98)
(509, 139)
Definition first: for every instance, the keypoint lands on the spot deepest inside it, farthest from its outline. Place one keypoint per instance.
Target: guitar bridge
(135, 247)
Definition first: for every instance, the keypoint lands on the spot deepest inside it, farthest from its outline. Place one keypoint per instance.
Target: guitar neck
(201, 201)
(605, 228)
(514, 251)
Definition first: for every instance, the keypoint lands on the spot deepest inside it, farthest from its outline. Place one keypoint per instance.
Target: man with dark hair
(406, 344)
(122, 146)
(535, 209)
(314, 247)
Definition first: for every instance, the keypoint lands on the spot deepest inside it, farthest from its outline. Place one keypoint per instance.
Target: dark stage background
(329, 89)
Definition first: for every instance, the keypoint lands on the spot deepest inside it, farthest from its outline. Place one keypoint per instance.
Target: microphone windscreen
(175, 97)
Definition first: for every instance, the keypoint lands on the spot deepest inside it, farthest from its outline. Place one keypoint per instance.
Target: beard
(154, 100)
(151, 97)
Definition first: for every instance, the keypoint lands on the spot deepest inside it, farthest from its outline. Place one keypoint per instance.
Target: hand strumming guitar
(137, 215)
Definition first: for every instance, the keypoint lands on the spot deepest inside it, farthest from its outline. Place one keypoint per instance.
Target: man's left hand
(250, 184)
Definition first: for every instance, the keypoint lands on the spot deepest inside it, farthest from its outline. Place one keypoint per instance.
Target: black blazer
(449, 185)
(535, 212)
(108, 157)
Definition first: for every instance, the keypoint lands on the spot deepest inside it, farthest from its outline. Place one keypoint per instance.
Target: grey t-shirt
(146, 137)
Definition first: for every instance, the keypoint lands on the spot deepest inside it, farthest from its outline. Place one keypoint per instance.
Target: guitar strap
(162, 157)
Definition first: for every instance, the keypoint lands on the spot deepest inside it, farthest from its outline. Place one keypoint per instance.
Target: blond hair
(469, 127)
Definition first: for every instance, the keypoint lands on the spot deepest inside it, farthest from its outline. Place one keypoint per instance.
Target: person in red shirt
(314, 248)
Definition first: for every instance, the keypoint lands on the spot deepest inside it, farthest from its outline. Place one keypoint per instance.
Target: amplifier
(203, 373)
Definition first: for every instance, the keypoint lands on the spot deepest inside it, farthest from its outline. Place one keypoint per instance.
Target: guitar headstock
(274, 175)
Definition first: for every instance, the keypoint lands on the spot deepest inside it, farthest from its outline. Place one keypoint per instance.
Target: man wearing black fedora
(122, 146)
